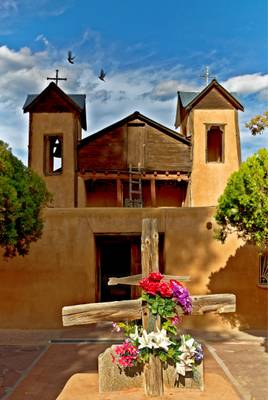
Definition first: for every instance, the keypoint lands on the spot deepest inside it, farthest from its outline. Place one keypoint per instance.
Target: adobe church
(105, 184)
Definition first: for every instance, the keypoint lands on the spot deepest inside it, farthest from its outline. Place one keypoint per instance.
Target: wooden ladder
(135, 187)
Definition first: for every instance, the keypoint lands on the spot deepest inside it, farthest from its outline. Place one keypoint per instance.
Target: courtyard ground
(62, 364)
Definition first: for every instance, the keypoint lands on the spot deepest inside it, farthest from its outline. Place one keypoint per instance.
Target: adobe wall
(64, 124)
(60, 269)
(209, 178)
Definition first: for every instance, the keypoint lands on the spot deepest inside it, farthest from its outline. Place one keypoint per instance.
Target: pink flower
(176, 320)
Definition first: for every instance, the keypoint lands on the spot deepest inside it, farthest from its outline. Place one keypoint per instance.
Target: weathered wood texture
(96, 312)
(131, 309)
(106, 151)
(135, 279)
(153, 370)
(153, 377)
(214, 303)
(149, 246)
(125, 145)
(124, 176)
(163, 152)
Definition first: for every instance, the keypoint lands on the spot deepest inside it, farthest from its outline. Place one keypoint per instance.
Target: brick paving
(14, 363)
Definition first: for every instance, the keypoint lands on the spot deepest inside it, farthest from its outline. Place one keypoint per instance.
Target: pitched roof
(76, 101)
(189, 99)
(141, 117)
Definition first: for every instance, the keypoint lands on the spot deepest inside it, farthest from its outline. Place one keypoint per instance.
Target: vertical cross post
(57, 78)
(153, 374)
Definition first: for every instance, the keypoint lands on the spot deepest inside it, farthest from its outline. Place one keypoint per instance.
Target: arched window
(53, 155)
(215, 144)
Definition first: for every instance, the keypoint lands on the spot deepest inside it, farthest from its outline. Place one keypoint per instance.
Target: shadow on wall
(190, 248)
(240, 277)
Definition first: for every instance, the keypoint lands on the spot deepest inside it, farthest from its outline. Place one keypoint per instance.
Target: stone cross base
(113, 378)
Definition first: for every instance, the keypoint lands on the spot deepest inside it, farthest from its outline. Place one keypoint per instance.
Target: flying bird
(70, 57)
(102, 75)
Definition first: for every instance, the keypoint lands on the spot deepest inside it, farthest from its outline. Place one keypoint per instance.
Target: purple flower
(182, 297)
(198, 357)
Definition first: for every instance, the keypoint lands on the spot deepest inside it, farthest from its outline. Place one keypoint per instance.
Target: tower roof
(76, 102)
(188, 100)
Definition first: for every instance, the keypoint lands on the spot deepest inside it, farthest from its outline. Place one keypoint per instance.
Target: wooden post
(153, 191)
(119, 193)
(153, 374)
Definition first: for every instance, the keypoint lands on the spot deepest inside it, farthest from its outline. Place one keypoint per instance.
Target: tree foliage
(243, 207)
(22, 195)
(258, 123)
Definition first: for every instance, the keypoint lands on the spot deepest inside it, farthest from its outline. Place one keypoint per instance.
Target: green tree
(23, 194)
(243, 207)
(258, 123)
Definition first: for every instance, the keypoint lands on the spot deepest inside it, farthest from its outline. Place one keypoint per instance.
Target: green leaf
(23, 194)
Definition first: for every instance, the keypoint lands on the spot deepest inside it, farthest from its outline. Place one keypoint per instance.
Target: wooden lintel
(125, 176)
(134, 279)
(132, 309)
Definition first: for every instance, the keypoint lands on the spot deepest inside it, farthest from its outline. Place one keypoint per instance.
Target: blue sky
(149, 49)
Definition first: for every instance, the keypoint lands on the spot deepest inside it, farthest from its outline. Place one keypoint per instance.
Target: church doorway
(117, 256)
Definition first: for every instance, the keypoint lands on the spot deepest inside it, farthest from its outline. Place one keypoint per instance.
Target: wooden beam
(214, 303)
(125, 176)
(131, 309)
(83, 314)
(135, 279)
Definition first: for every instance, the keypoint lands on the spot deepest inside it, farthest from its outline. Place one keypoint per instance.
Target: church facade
(104, 185)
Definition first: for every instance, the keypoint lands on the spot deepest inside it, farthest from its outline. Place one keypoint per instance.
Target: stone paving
(15, 361)
(31, 368)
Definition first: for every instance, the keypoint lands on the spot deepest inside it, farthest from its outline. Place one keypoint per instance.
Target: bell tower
(56, 121)
(210, 120)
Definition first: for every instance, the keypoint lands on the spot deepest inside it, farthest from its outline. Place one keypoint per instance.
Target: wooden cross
(135, 309)
(56, 79)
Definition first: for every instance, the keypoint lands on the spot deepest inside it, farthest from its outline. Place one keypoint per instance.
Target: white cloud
(249, 83)
(150, 90)
(43, 39)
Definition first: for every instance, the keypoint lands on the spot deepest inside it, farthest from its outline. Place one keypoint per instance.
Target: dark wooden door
(117, 256)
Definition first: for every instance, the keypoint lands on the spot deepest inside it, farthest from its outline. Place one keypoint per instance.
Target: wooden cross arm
(214, 303)
(96, 312)
(132, 309)
(135, 279)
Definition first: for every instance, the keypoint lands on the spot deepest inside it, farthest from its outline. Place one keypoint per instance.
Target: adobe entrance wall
(60, 269)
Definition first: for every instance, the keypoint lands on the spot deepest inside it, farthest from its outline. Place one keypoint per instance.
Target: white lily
(145, 340)
(161, 339)
(187, 345)
(180, 369)
(135, 335)
(154, 340)
(187, 357)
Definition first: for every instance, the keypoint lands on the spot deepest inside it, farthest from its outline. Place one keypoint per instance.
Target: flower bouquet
(166, 299)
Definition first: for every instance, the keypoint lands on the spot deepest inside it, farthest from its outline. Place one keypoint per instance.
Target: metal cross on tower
(206, 75)
(56, 79)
